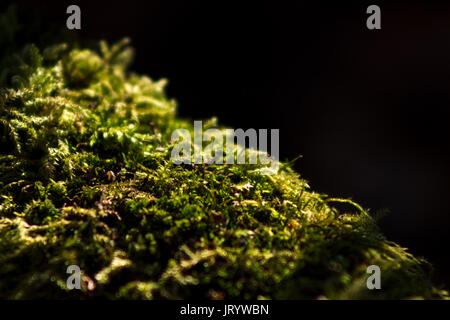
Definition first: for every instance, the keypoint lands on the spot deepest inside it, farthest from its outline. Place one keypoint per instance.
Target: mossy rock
(86, 179)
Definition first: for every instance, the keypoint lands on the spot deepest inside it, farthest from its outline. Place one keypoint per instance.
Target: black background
(367, 109)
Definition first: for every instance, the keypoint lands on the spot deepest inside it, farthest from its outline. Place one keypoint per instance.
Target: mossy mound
(86, 179)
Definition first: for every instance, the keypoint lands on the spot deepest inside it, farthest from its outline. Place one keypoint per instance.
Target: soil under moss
(86, 179)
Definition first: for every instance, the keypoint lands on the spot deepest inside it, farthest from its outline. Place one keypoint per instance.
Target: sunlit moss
(86, 179)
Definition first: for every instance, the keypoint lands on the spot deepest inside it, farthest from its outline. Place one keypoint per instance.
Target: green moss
(86, 179)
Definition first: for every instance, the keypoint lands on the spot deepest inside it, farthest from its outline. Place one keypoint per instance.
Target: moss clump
(86, 179)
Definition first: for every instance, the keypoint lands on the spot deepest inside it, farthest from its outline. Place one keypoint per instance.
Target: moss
(80, 68)
(86, 179)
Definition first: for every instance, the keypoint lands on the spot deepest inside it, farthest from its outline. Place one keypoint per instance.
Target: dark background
(367, 109)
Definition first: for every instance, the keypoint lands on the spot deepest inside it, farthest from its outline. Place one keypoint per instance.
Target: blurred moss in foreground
(86, 179)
